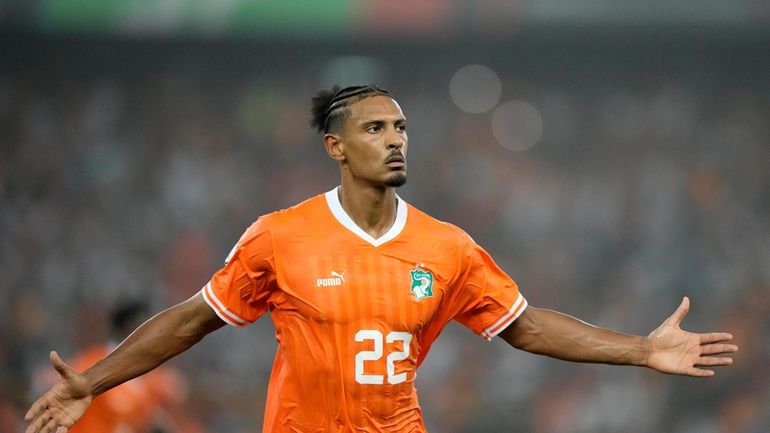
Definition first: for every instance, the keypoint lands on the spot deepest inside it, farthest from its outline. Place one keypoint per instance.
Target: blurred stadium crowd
(128, 170)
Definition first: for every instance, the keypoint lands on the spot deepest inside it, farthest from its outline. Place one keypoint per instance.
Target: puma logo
(335, 280)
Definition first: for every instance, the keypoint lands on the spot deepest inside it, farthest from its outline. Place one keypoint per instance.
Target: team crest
(422, 283)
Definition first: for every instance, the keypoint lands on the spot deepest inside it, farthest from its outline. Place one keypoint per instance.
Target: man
(359, 284)
(151, 403)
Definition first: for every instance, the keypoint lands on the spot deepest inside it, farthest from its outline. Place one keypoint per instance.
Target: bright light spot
(475, 88)
(517, 125)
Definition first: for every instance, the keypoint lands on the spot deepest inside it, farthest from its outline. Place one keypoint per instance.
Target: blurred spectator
(153, 403)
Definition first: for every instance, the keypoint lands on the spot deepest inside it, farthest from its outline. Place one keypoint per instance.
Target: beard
(396, 180)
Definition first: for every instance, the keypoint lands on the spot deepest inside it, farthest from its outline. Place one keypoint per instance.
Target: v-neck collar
(333, 200)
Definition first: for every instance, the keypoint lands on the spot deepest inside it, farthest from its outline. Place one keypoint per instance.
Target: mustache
(395, 155)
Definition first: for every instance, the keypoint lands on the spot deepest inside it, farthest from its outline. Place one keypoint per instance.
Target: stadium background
(612, 156)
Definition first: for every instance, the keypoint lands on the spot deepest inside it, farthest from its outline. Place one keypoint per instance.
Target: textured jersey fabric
(355, 316)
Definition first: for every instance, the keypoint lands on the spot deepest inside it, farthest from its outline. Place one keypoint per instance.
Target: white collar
(333, 200)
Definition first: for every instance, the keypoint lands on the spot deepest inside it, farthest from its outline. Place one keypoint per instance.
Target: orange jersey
(133, 407)
(355, 316)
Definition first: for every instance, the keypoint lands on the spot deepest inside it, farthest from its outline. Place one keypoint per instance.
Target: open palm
(59, 408)
(675, 351)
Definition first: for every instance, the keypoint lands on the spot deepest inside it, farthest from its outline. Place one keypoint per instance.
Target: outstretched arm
(157, 340)
(668, 349)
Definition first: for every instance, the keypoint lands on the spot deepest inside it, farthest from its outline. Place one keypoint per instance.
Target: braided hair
(328, 108)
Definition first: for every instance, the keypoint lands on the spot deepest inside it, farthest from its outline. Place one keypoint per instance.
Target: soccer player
(359, 284)
(151, 403)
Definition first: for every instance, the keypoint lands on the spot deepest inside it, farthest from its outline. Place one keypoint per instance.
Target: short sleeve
(487, 299)
(239, 292)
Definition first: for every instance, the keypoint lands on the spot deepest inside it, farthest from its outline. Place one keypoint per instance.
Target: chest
(364, 287)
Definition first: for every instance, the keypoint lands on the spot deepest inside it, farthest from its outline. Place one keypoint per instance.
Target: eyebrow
(380, 122)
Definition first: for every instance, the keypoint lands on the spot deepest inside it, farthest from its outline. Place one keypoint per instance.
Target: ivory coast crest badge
(422, 282)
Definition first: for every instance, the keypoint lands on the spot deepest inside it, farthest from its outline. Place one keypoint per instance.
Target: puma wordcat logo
(335, 280)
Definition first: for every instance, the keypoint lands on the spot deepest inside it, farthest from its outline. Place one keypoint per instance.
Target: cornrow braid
(327, 104)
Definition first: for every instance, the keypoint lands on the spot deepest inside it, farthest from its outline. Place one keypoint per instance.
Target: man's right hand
(59, 408)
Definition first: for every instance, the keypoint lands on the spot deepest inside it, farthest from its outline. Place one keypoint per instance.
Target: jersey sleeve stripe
(228, 316)
(518, 307)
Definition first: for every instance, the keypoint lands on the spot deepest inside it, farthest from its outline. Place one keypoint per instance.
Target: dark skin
(668, 349)
(374, 134)
(371, 150)
(162, 337)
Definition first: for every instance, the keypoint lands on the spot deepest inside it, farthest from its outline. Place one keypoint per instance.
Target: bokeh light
(517, 125)
(475, 88)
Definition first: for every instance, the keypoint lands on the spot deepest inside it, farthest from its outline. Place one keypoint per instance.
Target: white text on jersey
(335, 280)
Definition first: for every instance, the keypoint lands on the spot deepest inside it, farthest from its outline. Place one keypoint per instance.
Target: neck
(372, 208)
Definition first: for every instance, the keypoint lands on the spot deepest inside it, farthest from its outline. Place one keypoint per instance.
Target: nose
(395, 140)
(395, 145)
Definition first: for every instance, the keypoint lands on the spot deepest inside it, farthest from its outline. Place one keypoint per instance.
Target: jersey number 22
(376, 353)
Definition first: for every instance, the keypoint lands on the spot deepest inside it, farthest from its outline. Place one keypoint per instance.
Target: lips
(396, 162)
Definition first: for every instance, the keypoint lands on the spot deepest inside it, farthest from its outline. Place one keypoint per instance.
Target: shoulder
(436, 229)
(288, 220)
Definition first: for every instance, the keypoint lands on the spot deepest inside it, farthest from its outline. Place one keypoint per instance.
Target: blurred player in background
(152, 403)
(359, 284)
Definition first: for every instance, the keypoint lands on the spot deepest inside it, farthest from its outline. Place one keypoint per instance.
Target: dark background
(139, 139)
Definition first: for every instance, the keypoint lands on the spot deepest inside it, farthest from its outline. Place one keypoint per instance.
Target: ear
(334, 146)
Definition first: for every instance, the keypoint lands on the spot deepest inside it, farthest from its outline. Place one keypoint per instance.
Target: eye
(373, 128)
(401, 127)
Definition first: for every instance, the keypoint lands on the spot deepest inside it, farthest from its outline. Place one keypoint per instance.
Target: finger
(680, 313)
(717, 349)
(710, 361)
(38, 423)
(715, 337)
(35, 409)
(37, 414)
(61, 367)
(62, 429)
(50, 425)
(698, 372)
